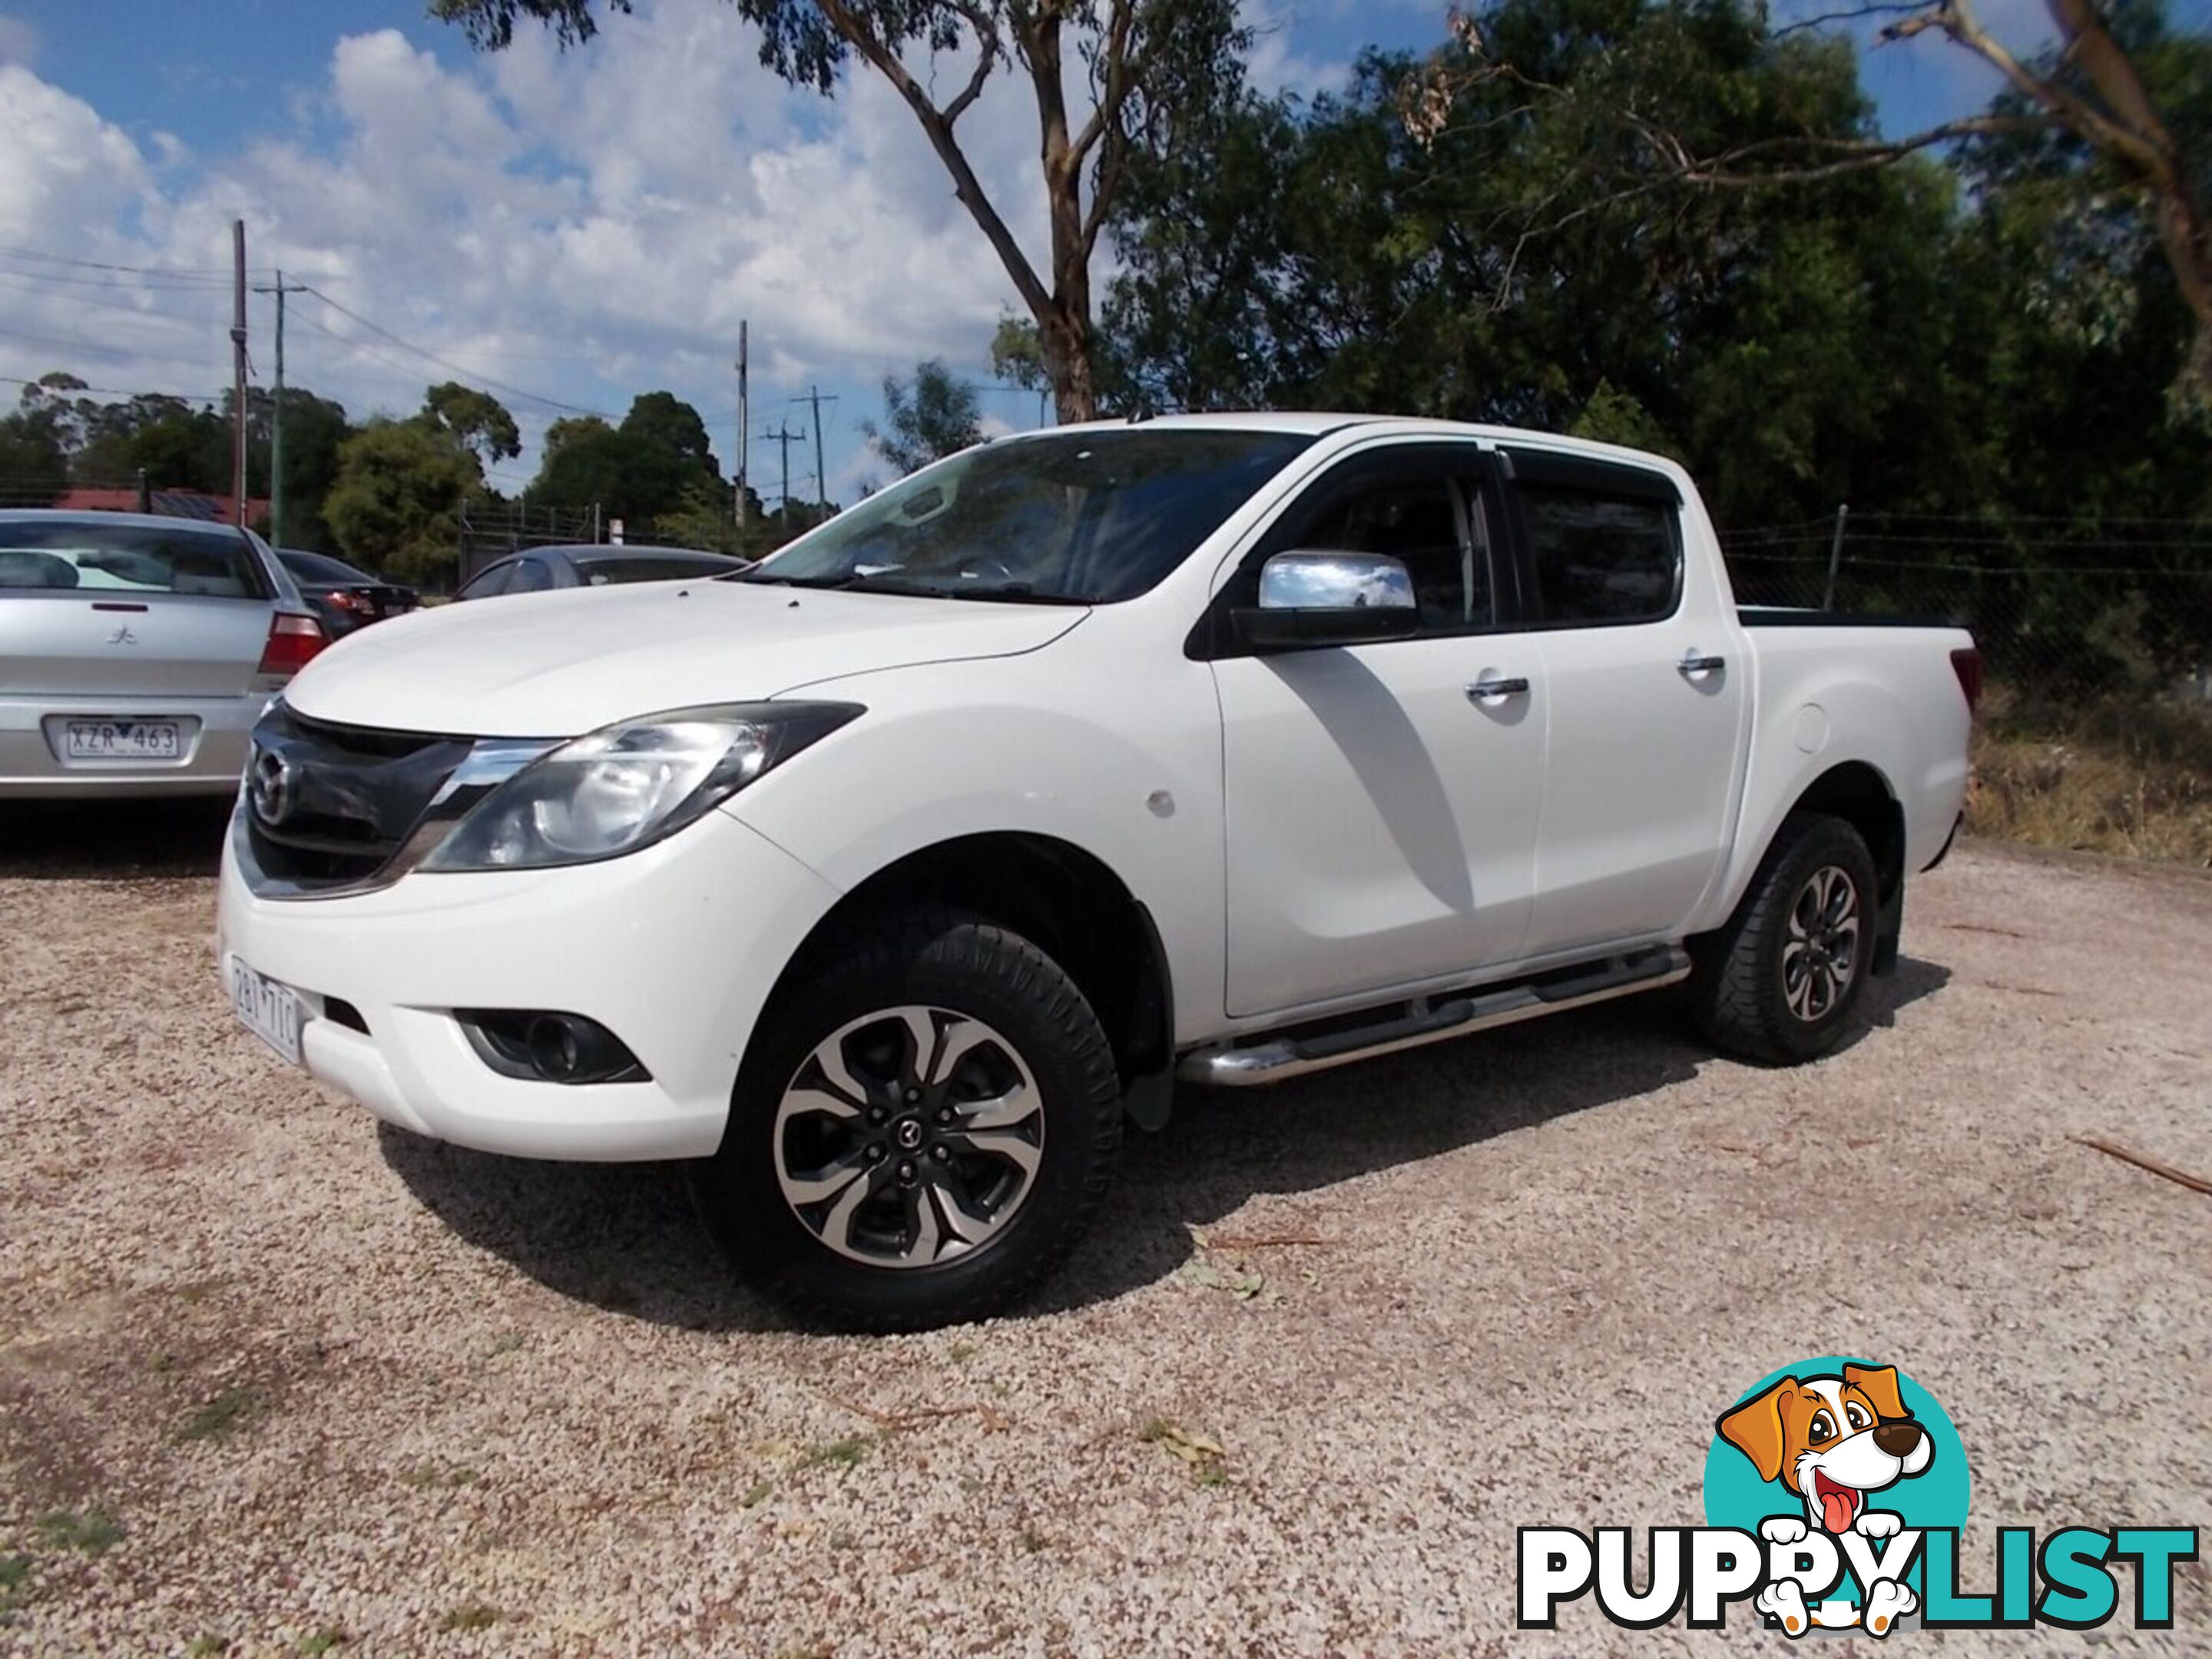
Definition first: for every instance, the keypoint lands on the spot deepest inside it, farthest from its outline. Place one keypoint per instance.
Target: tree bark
(2127, 131)
(1062, 313)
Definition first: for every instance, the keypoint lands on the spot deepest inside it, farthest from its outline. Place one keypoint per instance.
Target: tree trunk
(1064, 335)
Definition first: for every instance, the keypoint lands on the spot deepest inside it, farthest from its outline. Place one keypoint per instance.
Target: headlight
(624, 787)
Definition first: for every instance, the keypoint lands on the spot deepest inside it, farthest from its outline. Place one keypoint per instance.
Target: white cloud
(589, 224)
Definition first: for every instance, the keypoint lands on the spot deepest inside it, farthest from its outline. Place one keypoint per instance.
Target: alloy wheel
(1821, 952)
(908, 1137)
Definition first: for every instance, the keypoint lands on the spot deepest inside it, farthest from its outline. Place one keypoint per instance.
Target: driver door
(1381, 817)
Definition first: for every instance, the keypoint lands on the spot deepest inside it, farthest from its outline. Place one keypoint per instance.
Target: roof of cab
(1319, 423)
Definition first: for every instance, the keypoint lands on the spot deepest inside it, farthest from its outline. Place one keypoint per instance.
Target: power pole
(745, 424)
(785, 434)
(821, 483)
(238, 368)
(277, 415)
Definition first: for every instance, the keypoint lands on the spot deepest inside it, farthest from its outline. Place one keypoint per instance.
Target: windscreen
(1086, 517)
(128, 560)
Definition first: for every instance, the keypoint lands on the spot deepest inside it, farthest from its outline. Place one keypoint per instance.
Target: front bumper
(675, 949)
(217, 731)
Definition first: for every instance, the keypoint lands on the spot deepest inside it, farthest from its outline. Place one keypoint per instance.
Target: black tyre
(1778, 984)
(924, 1128)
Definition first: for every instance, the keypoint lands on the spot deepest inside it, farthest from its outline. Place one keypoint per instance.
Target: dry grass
(2125, 775)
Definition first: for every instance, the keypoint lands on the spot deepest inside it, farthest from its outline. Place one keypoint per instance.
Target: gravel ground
(306, 1379)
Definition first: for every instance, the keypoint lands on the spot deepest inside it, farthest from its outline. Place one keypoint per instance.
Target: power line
(102, 350)
(219, 273)
(154, 312)
(454, 368)
(114, 392)
(128, 284)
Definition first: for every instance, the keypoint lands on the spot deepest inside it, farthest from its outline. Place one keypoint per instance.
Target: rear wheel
(1778, 983)
(925, 1128)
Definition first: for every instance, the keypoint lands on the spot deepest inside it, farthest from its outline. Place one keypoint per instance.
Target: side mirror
(1314, 598)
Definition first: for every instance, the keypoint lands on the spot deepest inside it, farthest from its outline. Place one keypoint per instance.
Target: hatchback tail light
(1966, 663)
(293, 640)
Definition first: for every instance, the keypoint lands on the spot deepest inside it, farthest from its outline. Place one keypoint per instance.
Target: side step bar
(1397, 1025)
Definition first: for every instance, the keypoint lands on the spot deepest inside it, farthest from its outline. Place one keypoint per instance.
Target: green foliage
(663, 419)
(1986, 335)
(1016, 354)
(95, 1532)
(395, 506)
(476, 420)
(656, 468)
(33, 467)
(570, 427)
(935, 415)
(625, 475)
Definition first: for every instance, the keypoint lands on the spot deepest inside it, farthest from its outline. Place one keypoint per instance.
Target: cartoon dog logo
(1830, 1441)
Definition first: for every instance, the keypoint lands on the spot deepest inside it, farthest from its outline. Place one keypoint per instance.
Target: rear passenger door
(1643, 703)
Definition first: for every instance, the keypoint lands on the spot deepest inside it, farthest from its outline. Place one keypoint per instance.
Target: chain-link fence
(2097, 637)
(489, 530)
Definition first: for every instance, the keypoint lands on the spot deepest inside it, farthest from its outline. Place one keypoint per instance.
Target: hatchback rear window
(128, 560)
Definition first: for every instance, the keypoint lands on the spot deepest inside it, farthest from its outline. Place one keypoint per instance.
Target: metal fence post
(1835, 558)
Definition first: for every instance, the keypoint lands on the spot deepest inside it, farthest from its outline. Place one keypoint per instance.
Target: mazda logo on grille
(270, 784)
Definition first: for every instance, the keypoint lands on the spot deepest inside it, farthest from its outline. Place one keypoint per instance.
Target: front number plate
(269, 1010)
(122, 740)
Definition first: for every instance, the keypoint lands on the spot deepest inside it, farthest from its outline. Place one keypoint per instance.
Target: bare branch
(1849, 14)
(989, 52)
(938, 129)
(1852, 155)
(1114, 51)
(1955, 18)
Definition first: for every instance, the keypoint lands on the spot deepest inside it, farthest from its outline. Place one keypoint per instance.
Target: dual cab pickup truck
(887, 880)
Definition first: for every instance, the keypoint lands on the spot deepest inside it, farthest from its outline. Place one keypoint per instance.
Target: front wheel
(925, 1127)
(1778, 984)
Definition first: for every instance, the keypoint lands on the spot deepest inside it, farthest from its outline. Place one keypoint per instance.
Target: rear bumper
(216, 741)
(674, 949)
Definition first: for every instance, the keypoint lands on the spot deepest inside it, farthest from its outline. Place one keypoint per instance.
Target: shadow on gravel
(112, 840)
(624, 1237)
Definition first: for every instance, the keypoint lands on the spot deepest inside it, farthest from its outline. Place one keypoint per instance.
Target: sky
(565, 230)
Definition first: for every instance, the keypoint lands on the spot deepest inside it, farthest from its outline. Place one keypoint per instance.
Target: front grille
(331, 806)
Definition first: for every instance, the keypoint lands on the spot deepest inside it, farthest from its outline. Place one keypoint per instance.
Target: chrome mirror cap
(1312, 579)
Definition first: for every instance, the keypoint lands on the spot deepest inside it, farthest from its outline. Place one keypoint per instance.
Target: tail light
(293, 640)
(1966, 663)
(346, 601)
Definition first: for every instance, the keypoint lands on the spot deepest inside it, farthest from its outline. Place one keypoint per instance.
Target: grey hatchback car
(136, 652)
(542, 569)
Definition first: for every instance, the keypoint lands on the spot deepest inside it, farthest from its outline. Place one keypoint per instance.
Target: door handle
(1493, 689)
(1694, 664)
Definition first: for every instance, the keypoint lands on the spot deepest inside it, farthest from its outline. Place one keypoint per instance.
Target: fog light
(546, 1046)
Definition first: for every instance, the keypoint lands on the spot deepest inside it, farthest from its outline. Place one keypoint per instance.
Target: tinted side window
(601, 573)
(1600, 557)
(531, 576)
(1412, 507)
(485, 583)
(1416, 522)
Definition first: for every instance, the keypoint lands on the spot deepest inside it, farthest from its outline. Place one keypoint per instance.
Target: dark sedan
(342, 597)
(542, 569)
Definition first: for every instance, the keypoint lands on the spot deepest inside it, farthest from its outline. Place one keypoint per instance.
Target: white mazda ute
(885, 882)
